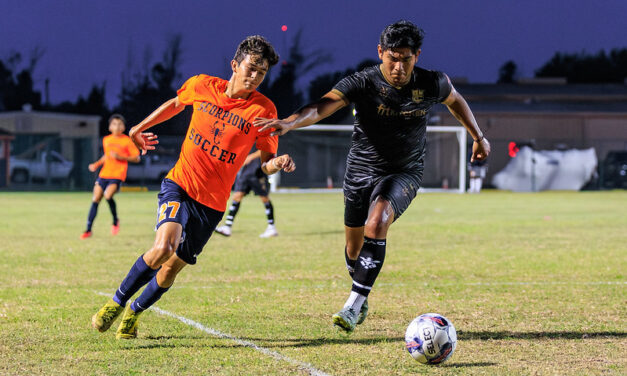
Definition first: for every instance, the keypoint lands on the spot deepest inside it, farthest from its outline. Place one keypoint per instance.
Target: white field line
(278, 356)
(432, 285)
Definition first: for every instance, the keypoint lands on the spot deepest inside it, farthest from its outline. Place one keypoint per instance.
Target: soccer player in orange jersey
(194, 194)
(118, 151)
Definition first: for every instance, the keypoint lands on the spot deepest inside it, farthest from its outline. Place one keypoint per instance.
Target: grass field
(534, 283)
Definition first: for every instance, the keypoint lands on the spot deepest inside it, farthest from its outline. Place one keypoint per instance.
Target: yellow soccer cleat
(345, 320)
(128, 326)
(103, 319)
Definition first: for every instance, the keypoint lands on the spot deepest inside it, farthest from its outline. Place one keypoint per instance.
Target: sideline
(278, 356)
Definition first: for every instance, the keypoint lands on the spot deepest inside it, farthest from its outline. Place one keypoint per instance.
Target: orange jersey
(219, 137)
(114, 168)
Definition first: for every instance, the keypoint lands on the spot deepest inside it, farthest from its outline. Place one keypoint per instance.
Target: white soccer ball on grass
(431, 338)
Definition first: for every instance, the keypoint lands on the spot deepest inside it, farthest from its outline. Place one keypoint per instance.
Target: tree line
(577, 68)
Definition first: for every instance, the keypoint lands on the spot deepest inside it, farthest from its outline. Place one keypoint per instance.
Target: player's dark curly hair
(117, 116)
(402, 34)
(256, 45)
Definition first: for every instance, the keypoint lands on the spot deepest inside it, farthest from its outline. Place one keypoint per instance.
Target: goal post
(320, 154)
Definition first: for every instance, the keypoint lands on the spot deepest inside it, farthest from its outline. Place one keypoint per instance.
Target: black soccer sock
(114, 210)
(92, 215)
(369, 263)
(269, 212)
(350, 264)
(232, 213)
(149, 296)
(139, 275)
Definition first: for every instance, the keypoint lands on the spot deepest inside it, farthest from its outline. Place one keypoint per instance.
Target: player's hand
(279, 127)
(284, 162)
(480, 150)
(92, 167)
(144, 141)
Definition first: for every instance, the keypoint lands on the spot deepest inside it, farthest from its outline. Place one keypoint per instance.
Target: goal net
(320, 155)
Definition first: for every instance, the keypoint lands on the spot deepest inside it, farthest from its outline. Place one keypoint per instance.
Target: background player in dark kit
(250, 177)
(477, 170)
(386, 158)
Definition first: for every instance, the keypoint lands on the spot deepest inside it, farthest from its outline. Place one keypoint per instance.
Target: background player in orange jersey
(194, 194)
(118, 151)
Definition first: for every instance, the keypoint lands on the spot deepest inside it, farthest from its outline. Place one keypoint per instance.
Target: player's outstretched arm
(130, 158)
(271, 164)
(94, 166)
(145, 140)
(306, 115)
(459, 108)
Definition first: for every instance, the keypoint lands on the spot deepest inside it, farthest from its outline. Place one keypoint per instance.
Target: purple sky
(87, 42)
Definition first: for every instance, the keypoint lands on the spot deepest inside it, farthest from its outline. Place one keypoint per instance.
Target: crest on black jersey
(417, 95)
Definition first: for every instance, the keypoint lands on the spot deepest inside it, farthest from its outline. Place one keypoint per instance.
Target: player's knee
(377, 224)
(162, 251)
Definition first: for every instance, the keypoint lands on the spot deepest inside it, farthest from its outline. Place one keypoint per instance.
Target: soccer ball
(431, 338)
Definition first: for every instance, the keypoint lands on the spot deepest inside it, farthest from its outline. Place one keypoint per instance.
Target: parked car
(42, 166)
(151, 168)
(614, 170)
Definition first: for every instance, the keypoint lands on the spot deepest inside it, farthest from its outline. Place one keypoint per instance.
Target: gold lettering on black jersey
(383, 110)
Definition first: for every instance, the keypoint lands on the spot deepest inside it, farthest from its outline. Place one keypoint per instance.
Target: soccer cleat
(128, 325)
(345, 319)
(270, 232)
(115, 228)
(363, 313)
(103, 319)
(86, 234)
(223, 230)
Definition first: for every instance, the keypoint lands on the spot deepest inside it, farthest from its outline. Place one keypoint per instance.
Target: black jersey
(390, 122)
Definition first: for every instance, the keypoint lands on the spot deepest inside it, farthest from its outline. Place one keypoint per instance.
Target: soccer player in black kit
(386, 159)
(250, 177)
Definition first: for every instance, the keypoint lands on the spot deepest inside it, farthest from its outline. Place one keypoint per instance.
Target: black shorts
(478, 171)
(198, 220)
(359, 192)
(104, 183)
(258, 184)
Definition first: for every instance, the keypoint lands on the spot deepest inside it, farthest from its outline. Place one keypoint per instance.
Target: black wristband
(480, 139)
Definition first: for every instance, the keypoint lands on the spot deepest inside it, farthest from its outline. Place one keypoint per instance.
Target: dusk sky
(87, 42)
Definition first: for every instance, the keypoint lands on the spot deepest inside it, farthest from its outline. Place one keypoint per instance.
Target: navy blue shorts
(198, 220)
(104, 183)
(399, 189)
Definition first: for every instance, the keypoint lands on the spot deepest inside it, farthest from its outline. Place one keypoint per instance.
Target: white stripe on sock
(362, 286)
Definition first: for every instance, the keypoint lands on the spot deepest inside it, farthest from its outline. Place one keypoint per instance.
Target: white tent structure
(539, 170)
